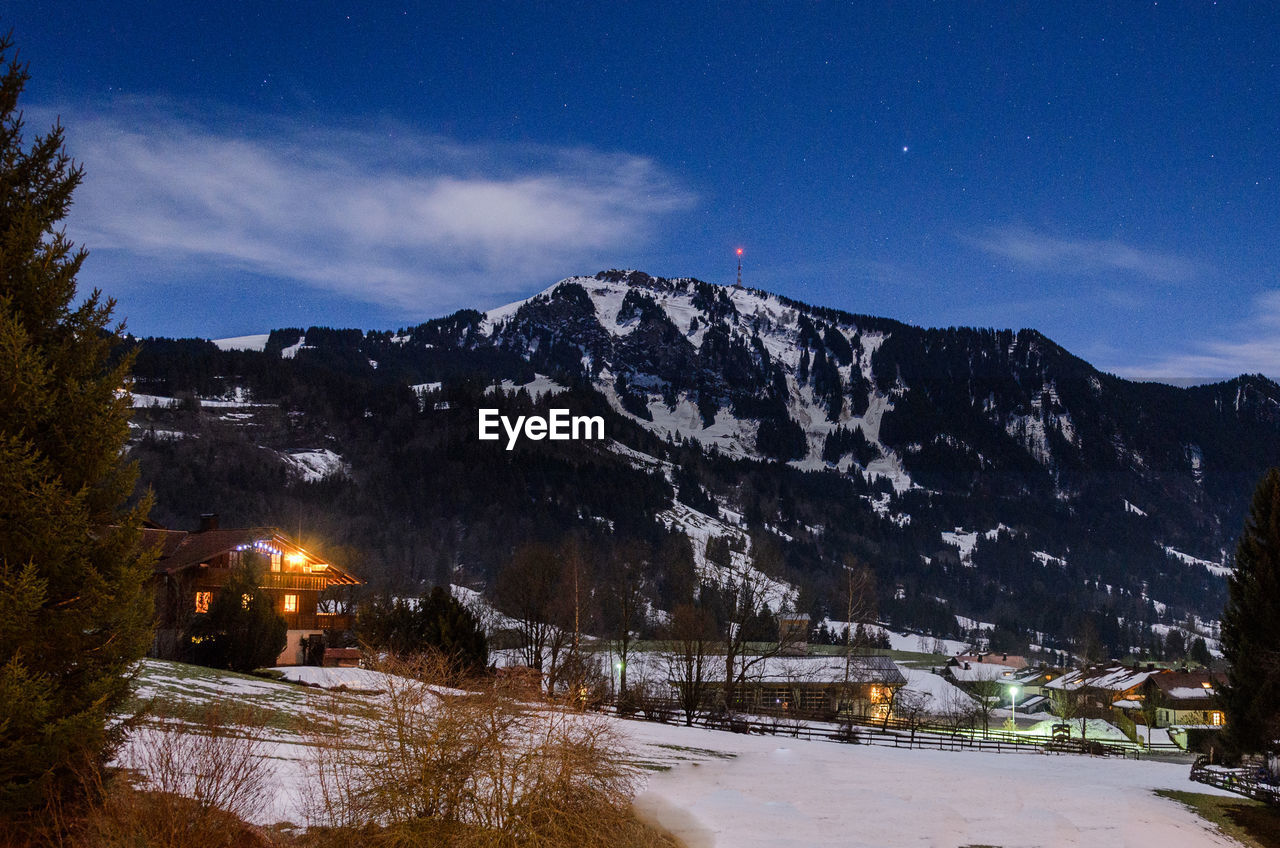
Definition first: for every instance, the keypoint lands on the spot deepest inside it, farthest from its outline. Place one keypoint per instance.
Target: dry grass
(470, 769)
(420, 765)
(1251, 823)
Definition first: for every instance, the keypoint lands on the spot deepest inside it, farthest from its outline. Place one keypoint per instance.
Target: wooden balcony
(319, 621)
(294, 580)
(335, 620)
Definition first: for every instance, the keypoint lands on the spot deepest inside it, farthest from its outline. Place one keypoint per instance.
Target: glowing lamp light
(739, 251)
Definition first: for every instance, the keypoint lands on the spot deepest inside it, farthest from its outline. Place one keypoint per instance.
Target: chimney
(208, 521)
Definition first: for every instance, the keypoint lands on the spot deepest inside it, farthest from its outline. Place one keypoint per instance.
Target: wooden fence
(898, 734)
(1252, 781)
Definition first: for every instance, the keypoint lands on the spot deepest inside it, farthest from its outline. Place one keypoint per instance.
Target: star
(905, 148)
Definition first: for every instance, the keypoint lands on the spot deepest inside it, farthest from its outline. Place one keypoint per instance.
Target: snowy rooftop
(1113, 678)
(819, 669)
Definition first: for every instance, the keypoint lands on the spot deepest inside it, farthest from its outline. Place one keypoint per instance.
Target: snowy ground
(784, 793)
(352, 679)
(714, 788)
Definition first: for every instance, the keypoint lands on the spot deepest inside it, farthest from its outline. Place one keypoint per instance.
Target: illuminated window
(290, 603)
(275, 560)
(1215, 718)
(202, 601)
(296, 561)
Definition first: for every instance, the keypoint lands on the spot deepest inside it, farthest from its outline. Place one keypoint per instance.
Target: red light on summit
(739, 251)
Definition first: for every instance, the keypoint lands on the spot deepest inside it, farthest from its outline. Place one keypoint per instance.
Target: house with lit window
(1101, 691)
(193, 567)
(819, 686)
(1186, 699)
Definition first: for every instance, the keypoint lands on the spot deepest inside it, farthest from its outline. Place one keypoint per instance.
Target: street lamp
(1013, 707)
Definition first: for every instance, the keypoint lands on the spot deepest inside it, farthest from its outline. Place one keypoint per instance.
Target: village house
(1030, 683)
(1185, 699)
(817, 686)
(1115, 693)
(793, 632)
(1003, 678)
(194, 567)
(970, 671)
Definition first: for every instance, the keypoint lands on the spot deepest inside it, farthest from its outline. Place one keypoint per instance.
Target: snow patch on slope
(1217, 569)
(255, 342)
(700, 527)
(538, 387)
(966, 541)
(315, 465)
(292, 350)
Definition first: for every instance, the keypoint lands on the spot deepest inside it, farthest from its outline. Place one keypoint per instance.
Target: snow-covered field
(714, 788)
(743, 791)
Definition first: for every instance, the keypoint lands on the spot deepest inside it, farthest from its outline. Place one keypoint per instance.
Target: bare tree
(957, 711)
(624, 604)
(573, 611)
(986, 694)
(860, 605)
(743, 596)
(910, 707)
(1072, 705)
(527, 590)
(690, 636)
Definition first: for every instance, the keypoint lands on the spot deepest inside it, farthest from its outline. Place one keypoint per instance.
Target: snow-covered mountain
(760, 376)
(983, 473)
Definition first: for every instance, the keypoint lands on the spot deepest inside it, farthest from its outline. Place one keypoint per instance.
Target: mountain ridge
(990, 470)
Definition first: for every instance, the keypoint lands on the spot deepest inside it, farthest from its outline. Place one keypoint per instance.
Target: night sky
(1105, 176)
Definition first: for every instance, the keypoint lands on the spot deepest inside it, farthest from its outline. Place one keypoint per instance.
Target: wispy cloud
(1251, 347)
(1043, 252)
(385, 215)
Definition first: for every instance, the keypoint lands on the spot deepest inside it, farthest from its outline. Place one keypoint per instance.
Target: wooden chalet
(819, 686)
(1186, 699)
(194, 567)
(1113, 692)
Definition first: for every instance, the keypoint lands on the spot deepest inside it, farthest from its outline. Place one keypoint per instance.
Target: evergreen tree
(242, 629)
(74, 610)
(452, 628)
(1200, 653)
(1251, 627)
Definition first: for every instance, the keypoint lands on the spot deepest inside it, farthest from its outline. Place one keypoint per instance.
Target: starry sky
(1104, 173)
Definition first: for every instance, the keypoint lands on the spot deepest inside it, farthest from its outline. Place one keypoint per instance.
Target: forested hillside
(979, 473)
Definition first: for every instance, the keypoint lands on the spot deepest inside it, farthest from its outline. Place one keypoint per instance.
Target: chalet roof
(1116, 678)
(167, 541)
(971, 672)
(1189, 685)
(1032, 676)
(191, 549)
(819, 670)
(1010, 660)
(180, 550)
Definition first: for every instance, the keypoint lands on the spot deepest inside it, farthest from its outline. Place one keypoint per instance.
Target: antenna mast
(739, 267)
